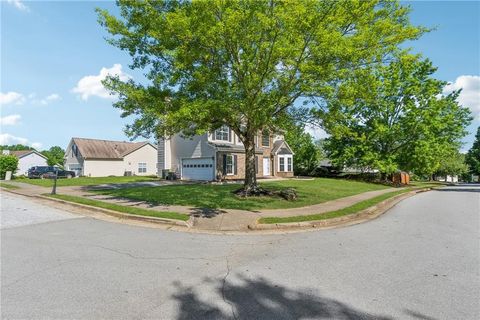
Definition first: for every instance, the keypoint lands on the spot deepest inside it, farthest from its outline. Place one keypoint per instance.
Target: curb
(112, 213)
(347, 220)
(122, 215)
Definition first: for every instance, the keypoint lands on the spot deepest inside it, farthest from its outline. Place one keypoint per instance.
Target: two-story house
(220, 155)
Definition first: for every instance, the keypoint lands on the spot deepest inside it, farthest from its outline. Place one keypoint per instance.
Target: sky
(54, 55)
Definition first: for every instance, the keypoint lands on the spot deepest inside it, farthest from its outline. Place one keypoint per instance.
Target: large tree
(473, 155)
(244, 63)
(54, 155)
(307, 153)
(402, 122)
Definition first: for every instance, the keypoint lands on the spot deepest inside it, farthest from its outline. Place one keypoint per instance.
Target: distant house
(102, 158)
(220, 155)
(27, 159)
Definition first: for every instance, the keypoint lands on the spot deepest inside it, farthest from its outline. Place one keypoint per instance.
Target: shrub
(8, 163)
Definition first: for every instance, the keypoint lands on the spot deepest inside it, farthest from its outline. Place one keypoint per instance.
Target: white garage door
(197, 169)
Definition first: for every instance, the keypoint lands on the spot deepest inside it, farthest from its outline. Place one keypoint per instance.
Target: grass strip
(119, 208)
(337, 213)
(8, 186)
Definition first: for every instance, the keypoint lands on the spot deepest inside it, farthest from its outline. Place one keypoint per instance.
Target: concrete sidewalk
(206, 218)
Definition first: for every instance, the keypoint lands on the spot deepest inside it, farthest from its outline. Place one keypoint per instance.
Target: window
(142, 167)
(74, 150)
(285, 163)
(265, 138)
(230, 164)
(223, 133)
(281, 164)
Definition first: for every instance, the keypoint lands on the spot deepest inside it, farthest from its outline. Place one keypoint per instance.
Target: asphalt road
(418, 261)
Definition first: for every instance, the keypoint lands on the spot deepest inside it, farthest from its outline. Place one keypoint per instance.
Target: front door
(266, 166)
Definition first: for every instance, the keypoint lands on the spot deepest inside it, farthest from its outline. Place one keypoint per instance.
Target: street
(420, 260)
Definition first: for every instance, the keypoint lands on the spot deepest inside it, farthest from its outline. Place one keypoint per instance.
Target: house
(101, 158)
(220, 155)
(27, 159)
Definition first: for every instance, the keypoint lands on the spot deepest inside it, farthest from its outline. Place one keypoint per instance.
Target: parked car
(48, 172)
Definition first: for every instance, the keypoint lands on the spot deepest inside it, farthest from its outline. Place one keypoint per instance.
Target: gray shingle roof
(106, 149)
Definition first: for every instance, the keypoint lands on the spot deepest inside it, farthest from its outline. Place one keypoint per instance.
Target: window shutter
(229, 135)
(256, 164)
(224, 164)
(235, 164)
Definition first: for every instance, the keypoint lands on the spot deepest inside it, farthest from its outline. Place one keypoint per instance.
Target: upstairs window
(222, 133)
(74, 150)
(265, 138)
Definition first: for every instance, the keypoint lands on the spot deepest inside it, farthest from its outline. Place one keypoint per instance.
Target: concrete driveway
(418, 261)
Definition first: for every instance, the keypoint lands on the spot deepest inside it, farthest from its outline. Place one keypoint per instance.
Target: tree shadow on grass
(261, 299)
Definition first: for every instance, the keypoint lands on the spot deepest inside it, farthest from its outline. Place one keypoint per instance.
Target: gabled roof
(22, 153)
(279, 145)
(106, 149)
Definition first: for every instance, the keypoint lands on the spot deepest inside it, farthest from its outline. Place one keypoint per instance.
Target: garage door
(197, 169)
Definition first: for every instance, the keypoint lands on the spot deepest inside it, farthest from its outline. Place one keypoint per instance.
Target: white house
(102, 158)
(220, 155)
(27, 159)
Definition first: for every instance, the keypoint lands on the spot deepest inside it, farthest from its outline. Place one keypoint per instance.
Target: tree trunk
(250, 186)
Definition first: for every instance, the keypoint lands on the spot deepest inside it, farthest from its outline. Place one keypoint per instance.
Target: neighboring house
(221, 156)
(447, 178)
(102, 158)
(27, 159)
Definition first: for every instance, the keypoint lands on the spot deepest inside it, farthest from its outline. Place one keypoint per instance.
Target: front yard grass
(120, 208)
(214, 196)
(85, 181)
(8, 186)
(337, 213)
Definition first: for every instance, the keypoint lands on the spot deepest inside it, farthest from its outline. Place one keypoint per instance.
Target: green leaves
(245, 62)
(394, 117)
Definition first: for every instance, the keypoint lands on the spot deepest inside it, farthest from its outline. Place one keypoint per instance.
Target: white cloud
(8, 139)
(11, 97)
(50, 98)
(316, 133)
(19, 5)
(92, 85)
(10, 120)
(470, 95)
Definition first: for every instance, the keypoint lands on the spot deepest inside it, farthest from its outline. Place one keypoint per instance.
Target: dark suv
(44, 172)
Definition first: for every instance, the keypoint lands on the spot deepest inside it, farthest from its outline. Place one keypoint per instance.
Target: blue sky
(53, 55)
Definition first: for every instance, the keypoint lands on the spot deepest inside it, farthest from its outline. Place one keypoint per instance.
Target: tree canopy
(473, 155)
(402, 122)
(54, 155)
(244, 63)
(15, 147)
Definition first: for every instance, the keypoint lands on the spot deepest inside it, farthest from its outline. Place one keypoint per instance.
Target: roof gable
(23, 153)
(281, 147)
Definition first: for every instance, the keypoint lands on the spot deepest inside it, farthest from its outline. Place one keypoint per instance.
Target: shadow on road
(458, 189)
(261, 299)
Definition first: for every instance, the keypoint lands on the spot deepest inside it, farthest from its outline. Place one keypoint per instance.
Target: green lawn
(334, 214)
(84, 181)
(120, 208)
(7, 186)
(220, 196)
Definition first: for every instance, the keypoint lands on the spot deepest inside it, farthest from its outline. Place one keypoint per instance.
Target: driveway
(418, 261)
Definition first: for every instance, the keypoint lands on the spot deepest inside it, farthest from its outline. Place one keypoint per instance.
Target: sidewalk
(210, 219)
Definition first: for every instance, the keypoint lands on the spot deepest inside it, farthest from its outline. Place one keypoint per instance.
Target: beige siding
(103, 168)
(146, 154)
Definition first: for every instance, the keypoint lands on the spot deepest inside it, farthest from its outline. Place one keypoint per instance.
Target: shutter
(235, 164)
(256, 164)
(230, 135)
(224, 164)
